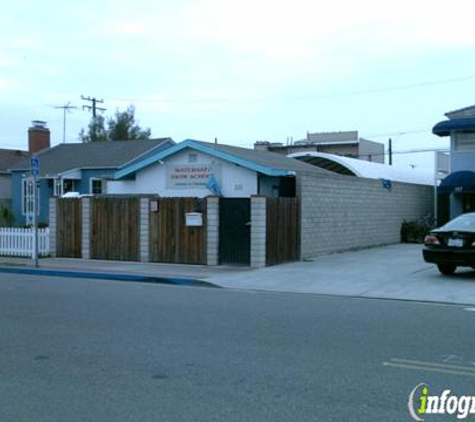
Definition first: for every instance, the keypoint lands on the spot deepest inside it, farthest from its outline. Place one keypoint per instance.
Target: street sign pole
(35, 224)
(34, 169)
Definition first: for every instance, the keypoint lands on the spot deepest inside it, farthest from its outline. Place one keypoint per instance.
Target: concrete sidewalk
(392, 272)
(118, 270)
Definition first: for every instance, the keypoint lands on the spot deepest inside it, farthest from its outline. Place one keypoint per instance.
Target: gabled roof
(353, 167)
(461, 112)
(268, 163)
(10, 157)
(96, 155)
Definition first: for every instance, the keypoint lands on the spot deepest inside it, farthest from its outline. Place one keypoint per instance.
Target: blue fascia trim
(122, 173)
(189, 143)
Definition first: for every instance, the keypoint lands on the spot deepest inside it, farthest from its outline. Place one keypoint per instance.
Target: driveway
(392, 272)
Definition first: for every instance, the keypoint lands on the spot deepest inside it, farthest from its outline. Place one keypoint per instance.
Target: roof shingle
(113, 154)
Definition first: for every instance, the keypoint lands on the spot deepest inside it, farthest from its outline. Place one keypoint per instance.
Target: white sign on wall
(191, 176)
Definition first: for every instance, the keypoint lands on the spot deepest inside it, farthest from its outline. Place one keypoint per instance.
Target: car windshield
(463, 222)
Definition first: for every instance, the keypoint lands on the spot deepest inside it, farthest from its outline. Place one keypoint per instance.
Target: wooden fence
(282, 230)
(115, 228)
(69, 228)
(19, 242)
(118, 228)
(171, 240)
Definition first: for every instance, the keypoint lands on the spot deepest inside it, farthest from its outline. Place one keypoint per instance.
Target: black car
(452, 245)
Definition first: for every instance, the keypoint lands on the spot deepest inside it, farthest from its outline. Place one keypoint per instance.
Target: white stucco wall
(119, 187)
(233, 180)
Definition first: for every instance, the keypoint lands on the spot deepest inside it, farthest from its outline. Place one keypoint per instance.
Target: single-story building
(75, 167)
(199, 169)
(252, 207)
(8, 158)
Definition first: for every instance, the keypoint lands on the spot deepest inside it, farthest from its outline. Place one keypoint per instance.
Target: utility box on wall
(194, 219)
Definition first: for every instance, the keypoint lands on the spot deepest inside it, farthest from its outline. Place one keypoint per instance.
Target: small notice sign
(35, 166)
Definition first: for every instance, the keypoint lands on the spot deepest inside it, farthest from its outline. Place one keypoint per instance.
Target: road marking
(431, 366)
(427, 368)
(435, 364)
(452, 359)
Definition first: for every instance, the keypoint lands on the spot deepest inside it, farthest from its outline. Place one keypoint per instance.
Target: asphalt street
(96, 350)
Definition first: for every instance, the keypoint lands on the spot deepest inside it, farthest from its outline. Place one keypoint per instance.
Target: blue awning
(463, 124)
(458, 181)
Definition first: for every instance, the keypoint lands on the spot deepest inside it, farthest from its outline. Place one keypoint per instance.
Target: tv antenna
(66, 108)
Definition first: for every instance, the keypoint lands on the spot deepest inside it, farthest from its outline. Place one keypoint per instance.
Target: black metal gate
(235, 231)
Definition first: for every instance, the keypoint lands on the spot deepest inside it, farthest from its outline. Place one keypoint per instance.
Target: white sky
(241, 71)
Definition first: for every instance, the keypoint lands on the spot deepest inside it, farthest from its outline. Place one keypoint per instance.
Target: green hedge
(415, 231)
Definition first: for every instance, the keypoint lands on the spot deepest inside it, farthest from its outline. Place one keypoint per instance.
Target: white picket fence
(19, 242)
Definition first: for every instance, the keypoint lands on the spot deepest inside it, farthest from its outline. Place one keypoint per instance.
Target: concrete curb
(107, 276)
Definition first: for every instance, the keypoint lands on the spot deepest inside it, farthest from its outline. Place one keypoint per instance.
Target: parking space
(392, 272)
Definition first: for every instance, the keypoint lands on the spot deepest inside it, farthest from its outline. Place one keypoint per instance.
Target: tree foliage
(121, 127)
(96, 130)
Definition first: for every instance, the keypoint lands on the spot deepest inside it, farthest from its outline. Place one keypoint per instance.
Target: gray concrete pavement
(92, 350)
(391, 272)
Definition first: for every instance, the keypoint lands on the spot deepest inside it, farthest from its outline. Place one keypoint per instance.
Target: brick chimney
(38, 136)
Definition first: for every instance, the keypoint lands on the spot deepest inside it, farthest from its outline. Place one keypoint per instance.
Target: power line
(299, 98)
(409, 151)
(400, 133)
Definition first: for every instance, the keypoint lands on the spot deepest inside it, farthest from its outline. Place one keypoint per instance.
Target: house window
(27, 197)
(96, 186)
(58, 187)
(62, 186)
(68, 185)
(192, 158)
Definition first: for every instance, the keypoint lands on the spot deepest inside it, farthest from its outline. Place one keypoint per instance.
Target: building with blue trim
(456, 192)
(77, 167)
(199, 169)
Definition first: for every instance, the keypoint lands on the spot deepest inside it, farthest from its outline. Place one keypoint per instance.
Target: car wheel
(447, 269)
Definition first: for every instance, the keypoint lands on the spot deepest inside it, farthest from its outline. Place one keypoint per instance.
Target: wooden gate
(282, 230)
(235, 231)
(171, 240)
(115, 228)
(69, 227)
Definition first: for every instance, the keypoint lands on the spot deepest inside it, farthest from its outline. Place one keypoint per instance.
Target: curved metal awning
(327, 164)
(360, 168)
(458, 181)
(445, 127)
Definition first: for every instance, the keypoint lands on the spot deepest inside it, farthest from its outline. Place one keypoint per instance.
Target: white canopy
(360, 168)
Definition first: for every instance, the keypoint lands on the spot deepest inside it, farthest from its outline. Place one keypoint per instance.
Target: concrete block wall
(341, 213)
(53, 226)
(144, 230)
(86, 228)
(258, 232)
(212, 239)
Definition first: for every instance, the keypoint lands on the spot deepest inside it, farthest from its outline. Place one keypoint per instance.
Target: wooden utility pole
(94, 110)
(92, 107)
(390, 152)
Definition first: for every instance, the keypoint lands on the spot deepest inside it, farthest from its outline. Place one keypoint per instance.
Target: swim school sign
(191, 176)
